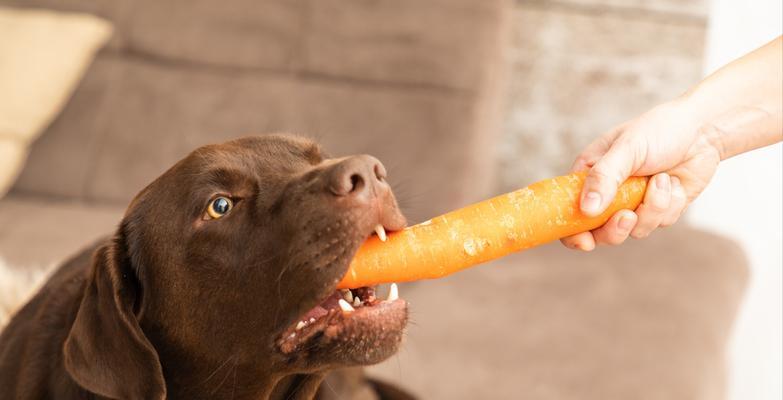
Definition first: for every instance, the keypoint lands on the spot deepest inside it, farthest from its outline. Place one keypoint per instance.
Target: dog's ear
(106, 351)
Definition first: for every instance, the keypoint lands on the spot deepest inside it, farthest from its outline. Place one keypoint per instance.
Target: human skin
(680, 144)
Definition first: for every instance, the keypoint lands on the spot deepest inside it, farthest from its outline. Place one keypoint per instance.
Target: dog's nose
(357, 176)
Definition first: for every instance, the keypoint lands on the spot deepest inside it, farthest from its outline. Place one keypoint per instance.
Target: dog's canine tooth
(394, 293)
(357, 301)
(345, 306)
(381, 232)
(300, 325)
(348, 296)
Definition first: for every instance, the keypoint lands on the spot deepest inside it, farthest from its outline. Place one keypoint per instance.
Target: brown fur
(179, 306)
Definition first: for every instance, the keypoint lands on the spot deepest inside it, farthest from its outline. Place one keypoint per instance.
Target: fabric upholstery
(647, 320)
(421, 97)
(43, 54)
(419, 84)
(40, 232)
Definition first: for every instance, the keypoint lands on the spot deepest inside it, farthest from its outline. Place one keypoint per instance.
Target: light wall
(744, 201)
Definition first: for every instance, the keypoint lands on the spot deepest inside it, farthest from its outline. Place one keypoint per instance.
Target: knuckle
(670, 220)
(656, 207)
(640, 233)
(600, 174)
(617, 239)
(659, 204)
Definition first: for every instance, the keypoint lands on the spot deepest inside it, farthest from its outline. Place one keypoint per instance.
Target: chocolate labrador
(219, 283)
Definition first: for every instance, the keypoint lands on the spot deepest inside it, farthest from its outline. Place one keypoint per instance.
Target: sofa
(418, 84)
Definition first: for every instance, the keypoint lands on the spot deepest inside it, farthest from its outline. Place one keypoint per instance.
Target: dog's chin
(346, 327)
(368, 332)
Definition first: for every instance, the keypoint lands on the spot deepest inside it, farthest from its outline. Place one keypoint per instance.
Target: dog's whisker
(234, 387)
(218, 368)
(328, 385)
(188, 283)
(225, 377)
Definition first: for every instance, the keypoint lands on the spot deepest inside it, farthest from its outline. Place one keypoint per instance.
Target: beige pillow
(43, 54)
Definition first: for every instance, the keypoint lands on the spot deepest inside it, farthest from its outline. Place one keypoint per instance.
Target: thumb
(605, 176)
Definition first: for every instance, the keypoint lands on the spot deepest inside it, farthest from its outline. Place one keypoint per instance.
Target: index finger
(606, 175)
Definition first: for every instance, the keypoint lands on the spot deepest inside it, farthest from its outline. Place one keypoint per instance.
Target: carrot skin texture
(542, 212)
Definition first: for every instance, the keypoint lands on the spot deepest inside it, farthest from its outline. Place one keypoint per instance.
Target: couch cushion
(38, 233)
(646, 320)
(43, 54)
(131, 119)
(443, 43)
(423, 97)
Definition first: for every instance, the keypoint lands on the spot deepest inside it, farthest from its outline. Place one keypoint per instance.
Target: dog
(219, 283)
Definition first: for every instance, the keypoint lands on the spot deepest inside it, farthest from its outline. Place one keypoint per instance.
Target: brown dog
(219, 283)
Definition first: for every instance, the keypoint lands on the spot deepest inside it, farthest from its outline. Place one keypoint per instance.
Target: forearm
(740, 106)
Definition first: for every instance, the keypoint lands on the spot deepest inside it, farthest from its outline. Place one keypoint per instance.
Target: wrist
(741, 129)
(699, 116)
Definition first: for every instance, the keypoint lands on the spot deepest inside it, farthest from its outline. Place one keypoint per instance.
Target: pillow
(43, 54)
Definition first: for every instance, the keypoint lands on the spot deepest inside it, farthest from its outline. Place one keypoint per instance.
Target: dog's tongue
(323, 308)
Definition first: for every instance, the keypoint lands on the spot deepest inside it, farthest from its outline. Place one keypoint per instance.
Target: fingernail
(675, 181)
(591, 203)
(662, 182)
(625, 223)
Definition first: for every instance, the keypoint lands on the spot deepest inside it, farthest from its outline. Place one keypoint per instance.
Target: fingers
(614, 232)
(581, 241)
(678, 203)
(605, 176)
(654, 207)
(595, 150)
(617, 229)
(664, 203)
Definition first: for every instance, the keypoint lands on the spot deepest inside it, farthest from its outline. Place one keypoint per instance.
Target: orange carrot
(542, 212)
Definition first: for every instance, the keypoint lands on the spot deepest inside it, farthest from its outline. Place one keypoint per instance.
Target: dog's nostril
(357, 182)
(355, 176)
(380, 172)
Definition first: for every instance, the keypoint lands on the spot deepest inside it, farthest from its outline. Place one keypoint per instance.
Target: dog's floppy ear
(106, 351)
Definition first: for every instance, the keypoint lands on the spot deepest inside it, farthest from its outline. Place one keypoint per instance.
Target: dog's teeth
(312, 320)
(381, 232)
(348, 296)
(394, 293)
(345, 306)
(357, 302)
(300, 325)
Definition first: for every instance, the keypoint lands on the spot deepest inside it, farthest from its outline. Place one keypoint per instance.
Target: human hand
(667, 143)
(680, 143)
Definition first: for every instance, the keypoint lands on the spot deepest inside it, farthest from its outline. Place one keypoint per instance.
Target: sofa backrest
(416, 84)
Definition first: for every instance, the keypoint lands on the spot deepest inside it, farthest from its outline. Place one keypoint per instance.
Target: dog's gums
(353, 319)
(220, 282)
(357, 313)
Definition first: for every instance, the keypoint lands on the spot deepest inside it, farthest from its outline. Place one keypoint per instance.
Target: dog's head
(232, 256)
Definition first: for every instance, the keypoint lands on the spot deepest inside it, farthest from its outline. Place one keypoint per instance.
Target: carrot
(542, 212)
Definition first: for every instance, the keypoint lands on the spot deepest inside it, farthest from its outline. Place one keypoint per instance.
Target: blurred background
(461, 99)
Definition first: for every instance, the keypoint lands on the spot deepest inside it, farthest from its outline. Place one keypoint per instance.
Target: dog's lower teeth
(345, 306)
(300, 325)
(357, 302)
(348, 296)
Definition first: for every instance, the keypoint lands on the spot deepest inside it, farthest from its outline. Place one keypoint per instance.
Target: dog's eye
(219, 207)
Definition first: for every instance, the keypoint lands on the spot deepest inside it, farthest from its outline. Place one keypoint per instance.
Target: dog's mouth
(345, 312)
(357, 325)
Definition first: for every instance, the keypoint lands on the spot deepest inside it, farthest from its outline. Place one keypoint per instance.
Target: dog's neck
(189, 377)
